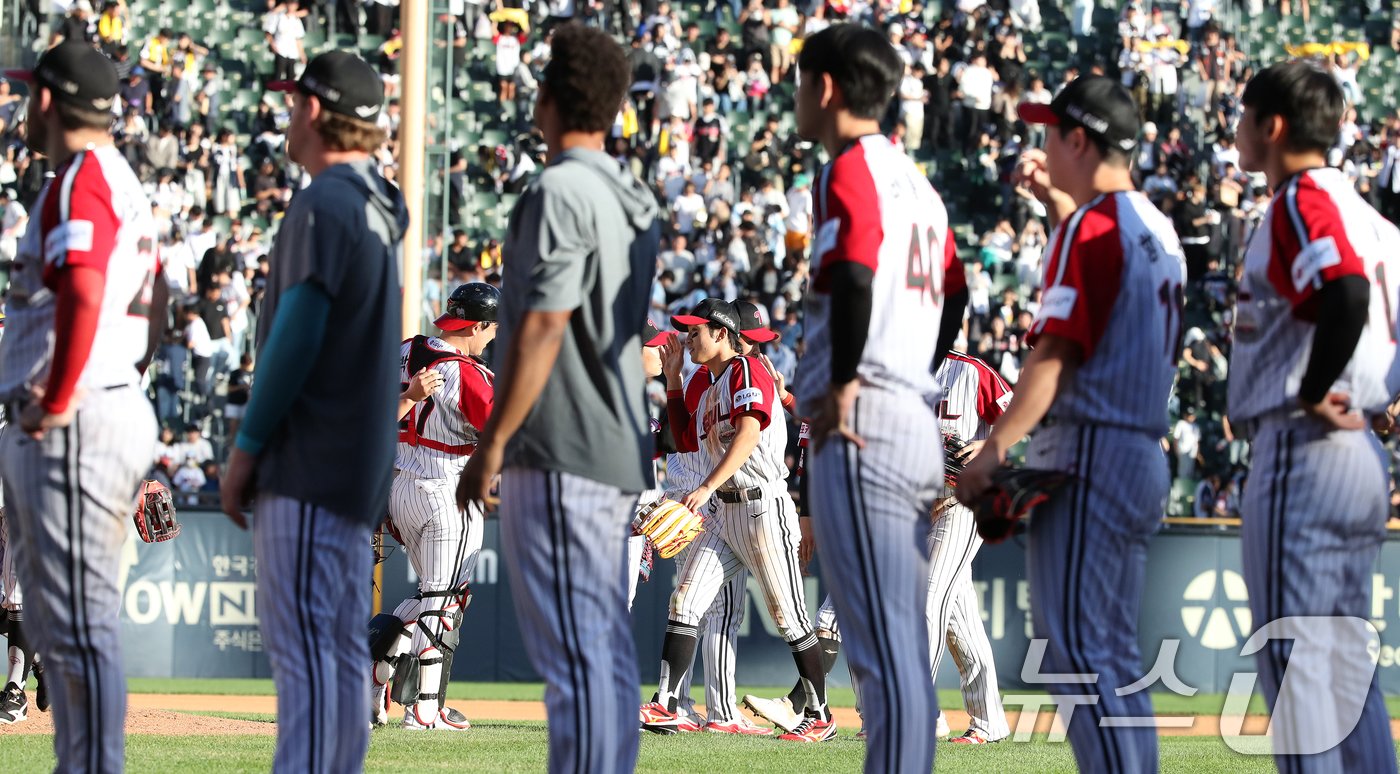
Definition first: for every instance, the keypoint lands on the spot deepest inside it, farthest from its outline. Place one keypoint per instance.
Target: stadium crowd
(709, 124)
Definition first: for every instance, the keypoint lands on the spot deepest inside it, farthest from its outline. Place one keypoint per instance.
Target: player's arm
(748, 427)
(76, 255)
(423, 384)
(1054, 359)
(955, 295)
(158, 317)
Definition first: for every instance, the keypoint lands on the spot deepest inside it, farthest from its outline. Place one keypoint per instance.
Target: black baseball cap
(75, 73)
(753, 322)
(711, 310)
(1096, 102)
(653, 336)
(344, 83)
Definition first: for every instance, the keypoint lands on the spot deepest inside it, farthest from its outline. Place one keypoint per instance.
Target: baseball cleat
(41, 691)
(812, 729)
(942, 731)
(453, 719)
(690, 724)
(779, 712)
(412, 723)
(14, 705)
(861, 734)
(379, 710)
(659, 720)
(972, 737)
(741, 727)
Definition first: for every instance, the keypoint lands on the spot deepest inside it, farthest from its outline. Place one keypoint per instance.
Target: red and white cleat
(741, 727)
(811, 729)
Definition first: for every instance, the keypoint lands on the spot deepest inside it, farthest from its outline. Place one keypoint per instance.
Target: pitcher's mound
(154, 722)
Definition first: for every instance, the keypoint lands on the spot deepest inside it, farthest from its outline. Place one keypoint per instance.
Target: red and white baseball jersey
(745, 386)
(92, 213)
(1316, 229)
(683, 473)
(875, 208)
(974, 396)
(439, 434)
(1113, 279)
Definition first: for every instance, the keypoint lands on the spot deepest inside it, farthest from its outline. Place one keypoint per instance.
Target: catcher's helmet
(468, 305)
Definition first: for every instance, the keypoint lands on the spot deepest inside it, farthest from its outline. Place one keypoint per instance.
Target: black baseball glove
(1010, 498)
(956, 453)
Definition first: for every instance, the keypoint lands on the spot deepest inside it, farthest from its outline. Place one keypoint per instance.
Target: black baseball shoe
(14, 705)
(41, 690)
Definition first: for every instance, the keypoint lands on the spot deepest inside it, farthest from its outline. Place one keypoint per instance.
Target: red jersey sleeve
(1085, 273)
(695, 388)
(848, 227)
(477, 393)
(752, 390)
(1310, 245)
(954, 278)
(993, 394)
(80, 225)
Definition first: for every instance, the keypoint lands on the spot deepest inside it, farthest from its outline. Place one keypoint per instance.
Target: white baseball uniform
(974, 397)
(443, 542)
(1315, 510)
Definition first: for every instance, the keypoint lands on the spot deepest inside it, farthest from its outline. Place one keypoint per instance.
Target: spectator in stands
(1186, 442)
(194, 448)
(188, 480)
(111, 26)
(284, 33)
(75, 26)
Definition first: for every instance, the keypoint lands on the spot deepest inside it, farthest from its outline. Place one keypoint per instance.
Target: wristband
(674, 394)
(788, 401)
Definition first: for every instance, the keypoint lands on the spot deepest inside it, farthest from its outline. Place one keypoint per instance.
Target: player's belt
(739, 495)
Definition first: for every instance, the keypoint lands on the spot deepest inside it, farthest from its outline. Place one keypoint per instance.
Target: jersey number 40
(922, 272)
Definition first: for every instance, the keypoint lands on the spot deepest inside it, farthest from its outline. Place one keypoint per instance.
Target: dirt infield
(167, 714)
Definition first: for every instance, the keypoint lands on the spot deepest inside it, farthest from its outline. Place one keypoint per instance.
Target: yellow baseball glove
(670, 526)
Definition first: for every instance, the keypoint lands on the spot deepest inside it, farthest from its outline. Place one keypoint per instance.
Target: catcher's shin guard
(420, 679)
(389, 640)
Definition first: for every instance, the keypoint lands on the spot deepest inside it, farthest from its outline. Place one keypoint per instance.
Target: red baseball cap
(653, 336)
(710, 310)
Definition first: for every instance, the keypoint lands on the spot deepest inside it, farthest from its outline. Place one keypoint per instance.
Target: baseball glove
(155, 513)
(670, 526)
(956, 452)
(1012, 495)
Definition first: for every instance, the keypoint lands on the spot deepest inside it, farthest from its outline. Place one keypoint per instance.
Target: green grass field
(511, 747)
(503, 746)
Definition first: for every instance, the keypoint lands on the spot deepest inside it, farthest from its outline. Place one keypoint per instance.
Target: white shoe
(776, 711)
(943, 730)
(447, 720)
(379, 708)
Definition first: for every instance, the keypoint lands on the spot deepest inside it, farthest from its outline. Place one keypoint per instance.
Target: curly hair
(587, 78)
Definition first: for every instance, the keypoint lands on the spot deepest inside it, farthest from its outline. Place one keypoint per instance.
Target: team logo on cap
(321, 89)
(724, 318)
(1088, 119)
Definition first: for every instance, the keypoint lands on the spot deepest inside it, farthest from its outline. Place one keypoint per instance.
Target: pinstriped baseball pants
(69, 498)
(870, 517)
(1086, 560)
(955, 620)
(1314, 514)
(313, 600)
(565, 543)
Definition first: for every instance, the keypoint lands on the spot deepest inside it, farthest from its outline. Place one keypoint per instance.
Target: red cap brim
(20, 75)
(282, 86)
(760, 335)
(1037, 113)
(654, 341)
(683, 321)
(452, 323)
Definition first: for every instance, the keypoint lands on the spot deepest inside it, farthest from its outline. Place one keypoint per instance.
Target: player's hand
(807, 548)
(35, 421)
(476, 481)
(976, 478)
(236, 487)
(776, 374)
(696, 500)
(832, 415)
(1335, 410)
(1033, 173)
(672, 360)
(425, 383)
(941, 507)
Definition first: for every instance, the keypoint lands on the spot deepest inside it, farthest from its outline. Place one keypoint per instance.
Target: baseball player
(318, 432)
(974, 395)
(1314, 337)
(875, 313)
(443, 542)
(753, 522)
(82, 433)
(14, 703)
(569, 425)
(1106, 340)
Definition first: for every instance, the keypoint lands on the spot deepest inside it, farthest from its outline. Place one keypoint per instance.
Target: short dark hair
(860, 61)
(1111, 154)
(73, 117)
(587, 78)
(1305, 96)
